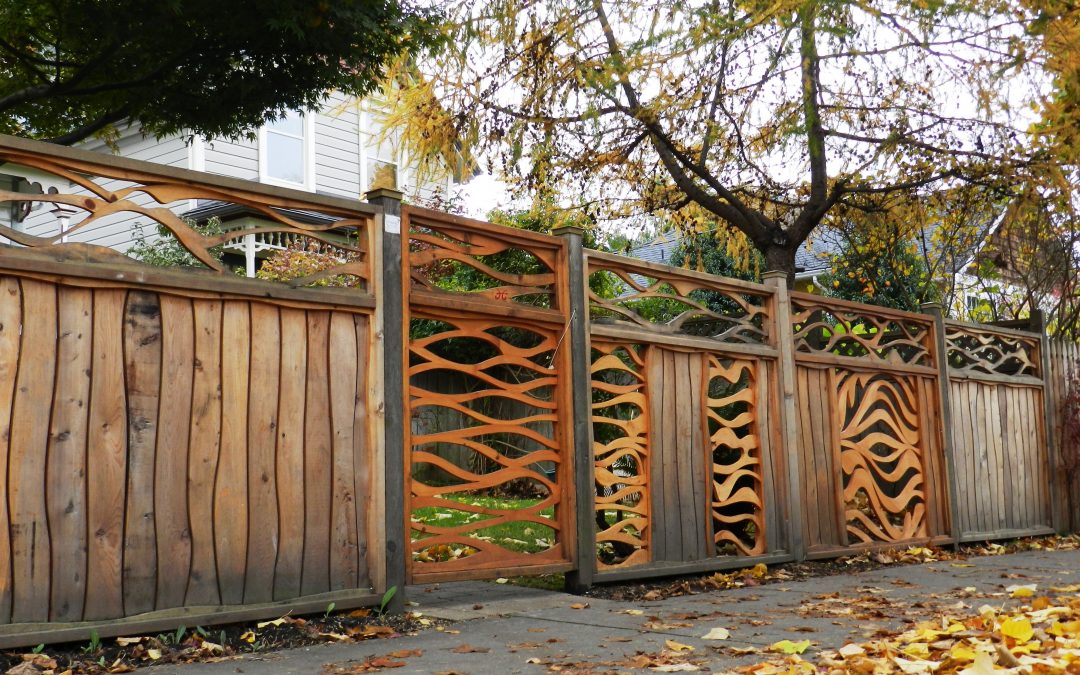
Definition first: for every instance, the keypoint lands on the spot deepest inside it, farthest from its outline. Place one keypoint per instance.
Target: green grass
(525, 537)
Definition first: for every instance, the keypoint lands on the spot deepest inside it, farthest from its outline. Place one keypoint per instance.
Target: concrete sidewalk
(506, 629)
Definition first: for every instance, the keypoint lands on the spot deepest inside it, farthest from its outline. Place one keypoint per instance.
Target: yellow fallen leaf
(502, 580)
(128, 641)
(718, 633)
(634, 612)
(916, 666)
(248, 637)
(579, 605)
(789, 647)
(1021, 591)
(1017, 628)
(275, 622)
(1067, 629)
(983, 665)
(677, 646)
(961, 565)
(917, 649)
(962, 653)
(676, 668)
(1072, 588)
(154, 654)
(759, 570)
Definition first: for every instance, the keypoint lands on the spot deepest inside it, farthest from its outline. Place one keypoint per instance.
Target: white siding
(238, 159)
(337, 148)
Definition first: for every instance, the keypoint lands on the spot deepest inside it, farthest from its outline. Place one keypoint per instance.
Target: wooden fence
(191, 447)
(1063, 385)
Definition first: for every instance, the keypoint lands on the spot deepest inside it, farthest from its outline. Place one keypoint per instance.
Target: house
(339, 150)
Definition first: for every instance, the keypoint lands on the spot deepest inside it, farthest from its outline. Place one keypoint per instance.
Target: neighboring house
(334, 151)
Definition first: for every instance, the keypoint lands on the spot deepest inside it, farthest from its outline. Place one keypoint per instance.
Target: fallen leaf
(850, 650)
(502, 580)
(653, 595)
(677, 646)
(469, 649)
(789, 647)
(633, 612)
(128, 641)
(1021, 591)
(1018, 629)
(676, 668)
(718, 633)
(405, 653)
(579, 605)
(248, 637)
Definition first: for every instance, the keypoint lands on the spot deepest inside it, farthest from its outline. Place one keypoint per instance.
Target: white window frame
(308, 145)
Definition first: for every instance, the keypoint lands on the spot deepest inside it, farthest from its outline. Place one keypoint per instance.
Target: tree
(769, 117)
(72, 68)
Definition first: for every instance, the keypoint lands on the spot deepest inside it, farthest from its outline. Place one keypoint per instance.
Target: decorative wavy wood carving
(483, 400)
(669, 300)
(480, 259)
(973, 349)
(620, 454)
(845, 329)
(736, 502)
(91, 203)
(881, 458)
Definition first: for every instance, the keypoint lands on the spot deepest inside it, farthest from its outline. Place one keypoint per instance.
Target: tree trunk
(782, 259)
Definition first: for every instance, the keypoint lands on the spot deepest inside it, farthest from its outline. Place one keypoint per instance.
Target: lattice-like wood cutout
(973, 349)
(846, 329)
(881, 458)
(485, 453)
(736, 501)
(480, 259)
(101, 193)
(673, 301)
(620, 454)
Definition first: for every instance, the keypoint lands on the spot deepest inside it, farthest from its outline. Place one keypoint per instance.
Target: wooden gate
(487, 384)
(687, 459)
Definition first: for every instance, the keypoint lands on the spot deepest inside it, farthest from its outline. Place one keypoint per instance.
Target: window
(380, 156)
(284, 151)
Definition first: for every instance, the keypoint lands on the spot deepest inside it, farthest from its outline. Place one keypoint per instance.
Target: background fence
(190, 447)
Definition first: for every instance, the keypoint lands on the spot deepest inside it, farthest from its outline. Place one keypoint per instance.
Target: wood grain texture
(318, 457)
(11, 308)
(290, 454)
(30, 546)
(204, 451)
(231, 485)
(142, 381)
(262, 415)
(171, 469)
(67, 455)
(364, 484)
(344, 552)
(106, 460)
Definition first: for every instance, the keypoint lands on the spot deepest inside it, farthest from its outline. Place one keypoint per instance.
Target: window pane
(284, 157)
(382, 175)
(292, 123)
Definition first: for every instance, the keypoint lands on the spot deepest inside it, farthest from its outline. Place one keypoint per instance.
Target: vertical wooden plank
(290, 454)
(67, 454)
(834, 413)
(30, 550)
(1024, 468)
(654, 379)
(106, 460)
(204, 450)
(770, 460)
(262, 546)
(971, 452)
(142, 376)
(343, 549)
(807, 469)
(686, 515)
(10, 331)
(828, 473)
(1009, 469)
(698, 540)
(672, 503)
(171, 469)
(317, 458)
(994, 462)
(363, 478)
(981, 441)
(231, 485)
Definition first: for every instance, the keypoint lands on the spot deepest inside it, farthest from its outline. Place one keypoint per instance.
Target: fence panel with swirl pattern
(487, 457)
(871, 461)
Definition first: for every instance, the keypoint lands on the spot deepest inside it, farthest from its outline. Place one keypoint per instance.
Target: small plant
(329, 609)
(37, 650)
(386, 598)
(95, 643)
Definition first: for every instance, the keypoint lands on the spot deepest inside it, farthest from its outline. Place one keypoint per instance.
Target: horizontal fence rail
(428, 398)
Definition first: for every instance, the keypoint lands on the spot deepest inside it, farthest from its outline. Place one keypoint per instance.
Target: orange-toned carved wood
(670, 300)
(881, 456)
(620, 454)
(981, 349)
(840, 328)
(736, 503)
(484, 398)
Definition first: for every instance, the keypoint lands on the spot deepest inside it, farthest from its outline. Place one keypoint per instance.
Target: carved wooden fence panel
(181, 446)
(1063, 393)
(997, 390)
(870, 454)
(686, 445)
(502, 332)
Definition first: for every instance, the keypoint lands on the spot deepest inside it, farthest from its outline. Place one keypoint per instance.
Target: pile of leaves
(206, 645)
(1041, 636)
(861, 562)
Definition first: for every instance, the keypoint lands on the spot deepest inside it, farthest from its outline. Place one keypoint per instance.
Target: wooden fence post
(577, 339)
(1058, 511)
(789, 418)
(388, 315)
(947, 447)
